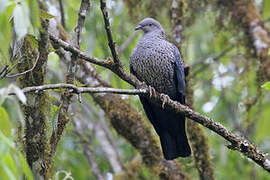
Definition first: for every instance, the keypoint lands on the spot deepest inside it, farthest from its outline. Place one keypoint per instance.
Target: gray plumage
(158, 63)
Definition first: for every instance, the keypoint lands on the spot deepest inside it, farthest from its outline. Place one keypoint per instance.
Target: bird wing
(179, 76)
(148, 106)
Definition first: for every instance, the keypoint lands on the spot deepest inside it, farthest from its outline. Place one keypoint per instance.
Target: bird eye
(150, 24)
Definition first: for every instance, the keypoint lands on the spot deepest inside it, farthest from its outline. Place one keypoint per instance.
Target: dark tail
(175, 145)
(171, 130)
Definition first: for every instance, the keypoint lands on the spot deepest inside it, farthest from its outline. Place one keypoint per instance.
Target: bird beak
(138, 28)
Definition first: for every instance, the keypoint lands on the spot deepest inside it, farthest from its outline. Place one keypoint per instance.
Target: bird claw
(151, 91)
(165, 98)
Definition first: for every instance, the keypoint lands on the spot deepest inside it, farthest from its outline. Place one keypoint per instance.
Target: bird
(158, 63)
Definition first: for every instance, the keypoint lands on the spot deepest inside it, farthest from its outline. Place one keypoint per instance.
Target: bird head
(149, 25)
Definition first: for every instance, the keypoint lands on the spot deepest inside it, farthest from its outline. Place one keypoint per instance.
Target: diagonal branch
(109, 33)
(6, 70)
(61, 6)
(27, 71)
(246, 15)
(80, 54)
(238, 143)
(108, 64)
(85, 4)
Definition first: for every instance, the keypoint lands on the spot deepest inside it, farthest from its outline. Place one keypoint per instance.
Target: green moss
(36, 125)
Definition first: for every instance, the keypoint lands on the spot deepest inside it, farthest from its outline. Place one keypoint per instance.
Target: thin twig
(4, 72)
(109, 33)
(29, 70)
(62, 13)
(80, 54)
(85, 4)
(78, 90)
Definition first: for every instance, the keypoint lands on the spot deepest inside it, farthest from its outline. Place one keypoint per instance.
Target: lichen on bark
(35, 111)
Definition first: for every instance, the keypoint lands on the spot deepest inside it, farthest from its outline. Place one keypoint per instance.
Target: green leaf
(3, 4)
(266, 9)
(10, 163)
(262, 126)
(10, 168)
(26, 170)
(6, 140)
(3, 95)
(7, 173)
(45, 15)
(5, 33)
(79, 84)
(266, 86)
(21, 19)
(34, 13)
(269, 52)
(5, 122)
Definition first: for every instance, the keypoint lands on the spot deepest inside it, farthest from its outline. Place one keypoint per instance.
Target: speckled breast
(153, 63)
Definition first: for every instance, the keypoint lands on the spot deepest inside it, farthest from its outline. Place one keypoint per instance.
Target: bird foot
(165, 98)
(152, 91)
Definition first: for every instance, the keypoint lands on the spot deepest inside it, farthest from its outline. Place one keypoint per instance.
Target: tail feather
(174, 147)
(171, 130)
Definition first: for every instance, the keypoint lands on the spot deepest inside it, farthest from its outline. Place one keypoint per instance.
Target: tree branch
(109, 33)
(85, 4)
(246, 15)
(68, 47)
(36, 143)
(78, 90)
(27, 71)
(62, 13)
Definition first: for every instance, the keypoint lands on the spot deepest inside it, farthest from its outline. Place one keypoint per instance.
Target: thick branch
(36, 144)
(246, 15)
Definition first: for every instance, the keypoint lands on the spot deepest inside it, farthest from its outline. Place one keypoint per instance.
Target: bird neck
(157, 34)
